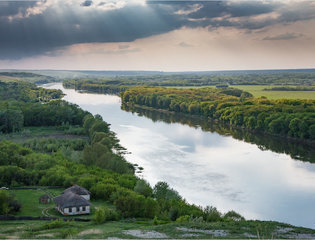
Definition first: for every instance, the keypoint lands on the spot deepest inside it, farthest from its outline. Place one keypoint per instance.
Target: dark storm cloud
(13, 7)
(27, 32)
(87, 3)
(40, 33)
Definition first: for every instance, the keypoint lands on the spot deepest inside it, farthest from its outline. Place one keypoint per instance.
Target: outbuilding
(44, 199)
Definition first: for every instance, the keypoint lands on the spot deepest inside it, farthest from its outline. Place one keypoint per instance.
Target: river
(208, 168)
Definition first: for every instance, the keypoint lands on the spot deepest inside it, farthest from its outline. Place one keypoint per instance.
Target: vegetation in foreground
(144, 228)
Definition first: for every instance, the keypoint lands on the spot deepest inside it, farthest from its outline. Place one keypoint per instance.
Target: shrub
(105, 214)
(162, 191)
(211, 214)
(232, 215)
(99, 216)
(183, 219)
(143, 187)
(8, 204)
(54, 224)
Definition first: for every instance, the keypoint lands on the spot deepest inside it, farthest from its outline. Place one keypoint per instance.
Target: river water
(208, 168)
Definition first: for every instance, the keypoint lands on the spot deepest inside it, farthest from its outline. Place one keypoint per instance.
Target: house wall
(75, 211)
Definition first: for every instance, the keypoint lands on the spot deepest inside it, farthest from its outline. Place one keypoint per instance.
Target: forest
(284, 117)
(121, 83)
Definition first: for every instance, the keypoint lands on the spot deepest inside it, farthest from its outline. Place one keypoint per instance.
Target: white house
(70, 203)
(79, 190)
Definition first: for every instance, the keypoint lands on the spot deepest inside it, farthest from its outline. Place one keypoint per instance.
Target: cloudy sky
(162, 35)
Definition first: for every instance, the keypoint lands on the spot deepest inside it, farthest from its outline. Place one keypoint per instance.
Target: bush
(105, 214)
(8, 204)
(232, 215)
(162, 190)
(99, 216)
(211, 214)
(143, 187)
(183, 219)
(54, 224)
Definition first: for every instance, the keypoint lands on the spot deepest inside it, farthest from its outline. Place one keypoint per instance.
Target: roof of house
(70, 199)
(78, 190)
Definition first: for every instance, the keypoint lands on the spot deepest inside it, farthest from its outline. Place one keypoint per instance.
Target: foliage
(211, 214)
(232, 215)
(105, 214)
(162, 191)
(54, 224)
(119, 84)
(8, 203)
(143, 187)
(290, 118)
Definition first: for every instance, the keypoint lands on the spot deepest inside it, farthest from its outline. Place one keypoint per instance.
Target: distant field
(257, 91)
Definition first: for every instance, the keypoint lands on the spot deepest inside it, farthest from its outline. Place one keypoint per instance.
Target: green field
(257, 91)
(29, 200)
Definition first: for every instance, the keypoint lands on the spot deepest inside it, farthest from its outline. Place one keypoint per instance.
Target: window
(70, 209)
(78, 209)
(83, 208)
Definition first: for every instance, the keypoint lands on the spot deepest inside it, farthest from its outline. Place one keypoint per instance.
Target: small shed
(70, 203)
(45, 199)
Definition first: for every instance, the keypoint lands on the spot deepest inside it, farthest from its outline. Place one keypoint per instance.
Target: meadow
(257, 91)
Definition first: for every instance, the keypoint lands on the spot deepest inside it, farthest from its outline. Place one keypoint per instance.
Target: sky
(161, 35)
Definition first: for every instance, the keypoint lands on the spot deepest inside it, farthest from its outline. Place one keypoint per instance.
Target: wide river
(207, 168)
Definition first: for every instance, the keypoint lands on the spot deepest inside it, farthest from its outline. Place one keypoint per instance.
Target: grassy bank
(133, 229)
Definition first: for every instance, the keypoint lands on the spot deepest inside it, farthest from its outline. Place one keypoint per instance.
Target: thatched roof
(70, 199)
(77, 190)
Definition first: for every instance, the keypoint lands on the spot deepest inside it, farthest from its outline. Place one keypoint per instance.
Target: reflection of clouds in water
(175, 164)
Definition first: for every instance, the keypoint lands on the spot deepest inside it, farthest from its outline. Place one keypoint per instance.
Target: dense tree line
(118, 84)
(27, 92)
(92, 85)
(24, 104)
(27, 76)
(292, 118)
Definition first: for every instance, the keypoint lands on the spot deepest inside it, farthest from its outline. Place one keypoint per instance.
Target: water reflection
(296, 149)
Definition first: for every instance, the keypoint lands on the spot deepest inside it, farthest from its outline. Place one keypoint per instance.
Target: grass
(257, 91)
(89, 230)
(31, 206)
(29, 201)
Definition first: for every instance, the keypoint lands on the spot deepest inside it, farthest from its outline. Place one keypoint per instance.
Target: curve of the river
(207, 168)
